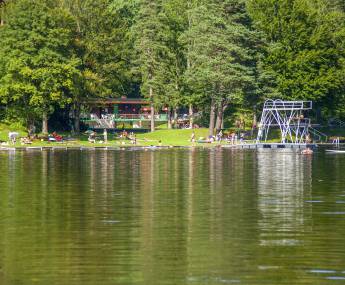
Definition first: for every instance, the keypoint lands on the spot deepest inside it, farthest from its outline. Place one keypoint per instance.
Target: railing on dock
(320, 135)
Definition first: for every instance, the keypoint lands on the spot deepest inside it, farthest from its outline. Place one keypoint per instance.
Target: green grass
(179, 137)
(5, 129)
(162, 136)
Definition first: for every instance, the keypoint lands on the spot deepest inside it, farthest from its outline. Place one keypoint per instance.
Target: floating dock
(271, 146)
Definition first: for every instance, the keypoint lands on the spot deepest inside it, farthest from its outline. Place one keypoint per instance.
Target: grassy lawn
(161, 137)
(5, 129)
(178, 137)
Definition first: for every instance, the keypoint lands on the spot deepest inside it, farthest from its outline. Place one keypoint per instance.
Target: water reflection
(284, 183)
(168, 217)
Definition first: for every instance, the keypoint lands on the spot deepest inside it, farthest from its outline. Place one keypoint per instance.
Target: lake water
(179, 216)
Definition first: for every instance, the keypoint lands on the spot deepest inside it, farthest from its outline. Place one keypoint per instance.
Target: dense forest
(215, 56)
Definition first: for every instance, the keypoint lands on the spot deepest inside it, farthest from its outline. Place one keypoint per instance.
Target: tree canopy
(207, 56)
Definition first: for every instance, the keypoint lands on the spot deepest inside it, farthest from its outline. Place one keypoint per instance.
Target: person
(12, 136)
(307, 151)
(105, 135)
(92, 137)
(233, 138)
(133, 139)
(32, 131)
(242, 138)
(219, 136)
(56, 137)
(25, 140)
(192, 138)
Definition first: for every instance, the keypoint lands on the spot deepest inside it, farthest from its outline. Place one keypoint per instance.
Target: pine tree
(152, 53)
(222, 63)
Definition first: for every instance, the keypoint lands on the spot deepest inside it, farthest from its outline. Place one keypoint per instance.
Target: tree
(305, 54)
(221, 68)
(151, 52)
(102, 47)
(39, 69)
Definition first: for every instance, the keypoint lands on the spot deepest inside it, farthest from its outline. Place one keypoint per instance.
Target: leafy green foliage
(305, 54)
(38, 67)
(218, 47)
(55, 54)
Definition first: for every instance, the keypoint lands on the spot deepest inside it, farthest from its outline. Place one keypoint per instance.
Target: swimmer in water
(307, 151)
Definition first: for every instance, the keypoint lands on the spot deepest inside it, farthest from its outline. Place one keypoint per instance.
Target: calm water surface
(179, 217)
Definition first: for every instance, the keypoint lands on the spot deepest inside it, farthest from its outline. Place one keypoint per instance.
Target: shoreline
(143, 147)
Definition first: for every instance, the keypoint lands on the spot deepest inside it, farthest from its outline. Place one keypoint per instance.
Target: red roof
(117, 101)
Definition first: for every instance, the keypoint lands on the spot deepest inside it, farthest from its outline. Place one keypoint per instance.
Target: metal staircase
(321, 137)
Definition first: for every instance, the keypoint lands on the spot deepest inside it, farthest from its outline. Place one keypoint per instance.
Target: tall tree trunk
(77, 119)
(220, 116)
(152, 111)
(45, 123)
(169, 119)
(2, 13)
(175, 117)
(152, 118)
(191, 119)
(212, 118)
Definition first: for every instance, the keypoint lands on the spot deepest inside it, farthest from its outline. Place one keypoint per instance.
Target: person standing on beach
(192, 138)
(105, 135)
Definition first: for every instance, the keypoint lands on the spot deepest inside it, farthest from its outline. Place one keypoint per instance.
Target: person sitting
(57, 137)
(92, 137)
(25, 141)
(307, 151)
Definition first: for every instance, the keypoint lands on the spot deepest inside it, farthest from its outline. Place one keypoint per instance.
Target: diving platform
(289, 118)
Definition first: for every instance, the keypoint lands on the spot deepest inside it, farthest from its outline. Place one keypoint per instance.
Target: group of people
(232, 138)
(124, 135)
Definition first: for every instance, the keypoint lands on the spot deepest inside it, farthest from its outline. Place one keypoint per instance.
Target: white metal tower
(289, 117)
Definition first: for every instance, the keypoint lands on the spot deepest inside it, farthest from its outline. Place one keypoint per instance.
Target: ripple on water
(335, 278)
(216, 279)
(322, 271)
